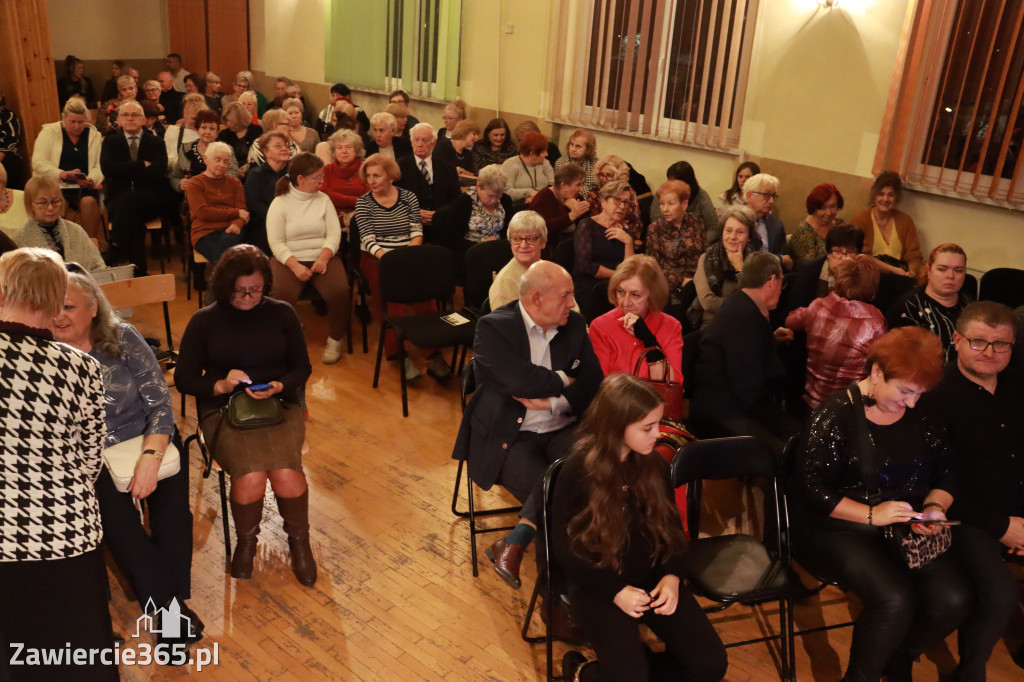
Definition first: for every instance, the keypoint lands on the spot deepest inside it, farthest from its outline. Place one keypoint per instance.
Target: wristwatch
(156, 453)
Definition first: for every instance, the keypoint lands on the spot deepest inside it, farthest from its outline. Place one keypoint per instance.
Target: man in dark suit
(769, 234)
(536, 374)
(134, 165)
(170, 99)
(738, 369)
(434, 181)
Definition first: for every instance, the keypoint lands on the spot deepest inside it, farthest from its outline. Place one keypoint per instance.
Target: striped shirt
(388, 228)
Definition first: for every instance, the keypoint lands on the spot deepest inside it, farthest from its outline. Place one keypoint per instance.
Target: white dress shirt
(560, 414)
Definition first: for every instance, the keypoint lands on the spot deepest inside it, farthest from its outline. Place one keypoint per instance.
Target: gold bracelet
(156, 453)
(934, 504)
(871, 511)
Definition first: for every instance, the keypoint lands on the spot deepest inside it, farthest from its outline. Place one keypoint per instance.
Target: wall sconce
(828, 4)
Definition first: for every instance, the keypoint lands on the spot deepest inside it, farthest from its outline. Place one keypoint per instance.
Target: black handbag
(246, 412)
(913, 550)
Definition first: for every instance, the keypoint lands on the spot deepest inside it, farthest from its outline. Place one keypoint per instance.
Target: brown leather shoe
(247, 519)
(562, 627)
(295, 512)
(506, 558)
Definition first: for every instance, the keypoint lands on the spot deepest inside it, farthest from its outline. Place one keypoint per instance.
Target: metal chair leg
(380, 354)
(402, 377)
(224, 515)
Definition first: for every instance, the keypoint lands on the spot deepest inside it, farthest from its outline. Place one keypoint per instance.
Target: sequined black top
(912, 456)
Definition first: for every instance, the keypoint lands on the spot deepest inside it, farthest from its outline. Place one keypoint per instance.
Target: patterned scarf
(717, 266)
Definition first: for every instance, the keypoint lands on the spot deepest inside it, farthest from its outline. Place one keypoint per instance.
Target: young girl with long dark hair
(618, 538)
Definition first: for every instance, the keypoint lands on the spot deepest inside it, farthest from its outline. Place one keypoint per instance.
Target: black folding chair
(468, 386)
(208, 464)
(482, 262)
(418, 274)
(1003, 285)
(550, 477)
(739, 569)
(350, 253)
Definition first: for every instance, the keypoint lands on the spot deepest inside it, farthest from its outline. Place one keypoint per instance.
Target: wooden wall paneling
(228, 30)
(187, 24)
(30, 82)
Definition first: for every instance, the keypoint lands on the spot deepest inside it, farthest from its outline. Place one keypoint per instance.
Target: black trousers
(128, 216)
(997, 594)
(528, 458)
(904, 609)
(693, 650)
(50, 604)
(158, 565)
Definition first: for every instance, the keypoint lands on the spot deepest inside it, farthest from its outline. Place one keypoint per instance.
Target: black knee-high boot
(295, 512)
(247, 526)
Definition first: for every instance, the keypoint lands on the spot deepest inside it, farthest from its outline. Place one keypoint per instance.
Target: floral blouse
(677, 249)
(483, 224)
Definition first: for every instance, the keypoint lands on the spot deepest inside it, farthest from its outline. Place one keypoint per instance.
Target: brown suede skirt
(243, 451)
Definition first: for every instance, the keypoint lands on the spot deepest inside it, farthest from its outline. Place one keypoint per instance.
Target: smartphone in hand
(256, 388)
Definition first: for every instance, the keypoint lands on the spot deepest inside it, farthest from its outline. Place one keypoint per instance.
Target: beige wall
(109, 29)
(817, 93)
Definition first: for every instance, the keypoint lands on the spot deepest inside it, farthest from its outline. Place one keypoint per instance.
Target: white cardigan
(301, 225)
(46, 154)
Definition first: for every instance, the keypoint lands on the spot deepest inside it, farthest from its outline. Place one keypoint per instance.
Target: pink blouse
(839, 332)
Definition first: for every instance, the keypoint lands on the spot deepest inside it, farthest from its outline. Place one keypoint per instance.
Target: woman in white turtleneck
(304, 235)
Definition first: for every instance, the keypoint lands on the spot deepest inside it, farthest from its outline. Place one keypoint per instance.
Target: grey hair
(103, 331)
(743, 214)
(759, 267)
(246, 96)
(244, 76)
(762, 182)
(528, 221)
(383, 117)
(423, 125)
(349, 136)
(490, 177)
(617, 164)
(217, 148)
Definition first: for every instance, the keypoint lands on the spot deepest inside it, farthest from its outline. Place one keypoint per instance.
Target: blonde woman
(177, 136)
(304, 136)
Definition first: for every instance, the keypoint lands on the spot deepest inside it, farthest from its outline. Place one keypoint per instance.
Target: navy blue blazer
(503, 368)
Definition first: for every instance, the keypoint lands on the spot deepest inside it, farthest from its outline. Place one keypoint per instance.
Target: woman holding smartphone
(617, 535)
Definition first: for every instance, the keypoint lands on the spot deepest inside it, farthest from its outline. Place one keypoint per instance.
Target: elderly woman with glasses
(613, 169)
(601, 243)
(559, 204)
(341, 176)
(482, 213)
(239, 133)
(247, 339)
(528, 236)
(47, 230)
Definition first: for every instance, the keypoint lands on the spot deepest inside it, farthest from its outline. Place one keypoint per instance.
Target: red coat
(343, 186)
(618, 350)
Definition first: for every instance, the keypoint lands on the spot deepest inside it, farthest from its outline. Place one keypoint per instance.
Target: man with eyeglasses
(760, 192)
(134, 165)
(982, 406)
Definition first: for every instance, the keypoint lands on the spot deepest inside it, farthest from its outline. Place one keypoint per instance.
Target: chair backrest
(691, 351)
(890, 287)
(724, 458)
(127, 293)
(970, 287)
(564, 254)
(1003, 285)
(413, 274)
(482, 261)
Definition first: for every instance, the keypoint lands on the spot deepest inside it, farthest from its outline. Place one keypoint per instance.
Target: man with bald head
(170, 99)
(536, 373)
(134, 165)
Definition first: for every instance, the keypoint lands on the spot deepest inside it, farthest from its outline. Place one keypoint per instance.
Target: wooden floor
(396, 598)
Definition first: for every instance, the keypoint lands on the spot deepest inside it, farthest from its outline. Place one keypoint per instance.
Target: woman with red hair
(872, 461)
(808, 240)
(528, 172)
(840, 327)
(937, 303)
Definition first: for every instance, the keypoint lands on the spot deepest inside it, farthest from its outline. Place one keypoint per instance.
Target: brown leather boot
(247, 526)
(295, 512)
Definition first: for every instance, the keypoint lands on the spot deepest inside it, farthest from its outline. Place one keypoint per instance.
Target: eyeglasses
(771, 196)
(982, 345)
(43, 203)
(840, 253)
(248, 293)
(276, 146)
(130, 114)
(517, 240)
(618, 201)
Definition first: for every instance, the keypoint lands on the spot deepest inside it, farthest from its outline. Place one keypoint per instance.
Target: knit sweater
(300, 224)
(78, 247)
(214, 204)
(343, 185)
(521, 178)
(50, 142)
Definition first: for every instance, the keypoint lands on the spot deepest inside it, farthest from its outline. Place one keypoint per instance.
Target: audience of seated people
(890, 235)
(601, 242)
(528, 405)
(677, 239)
(581, 149)
(559, 204)
(304, 235)
(807, 242)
